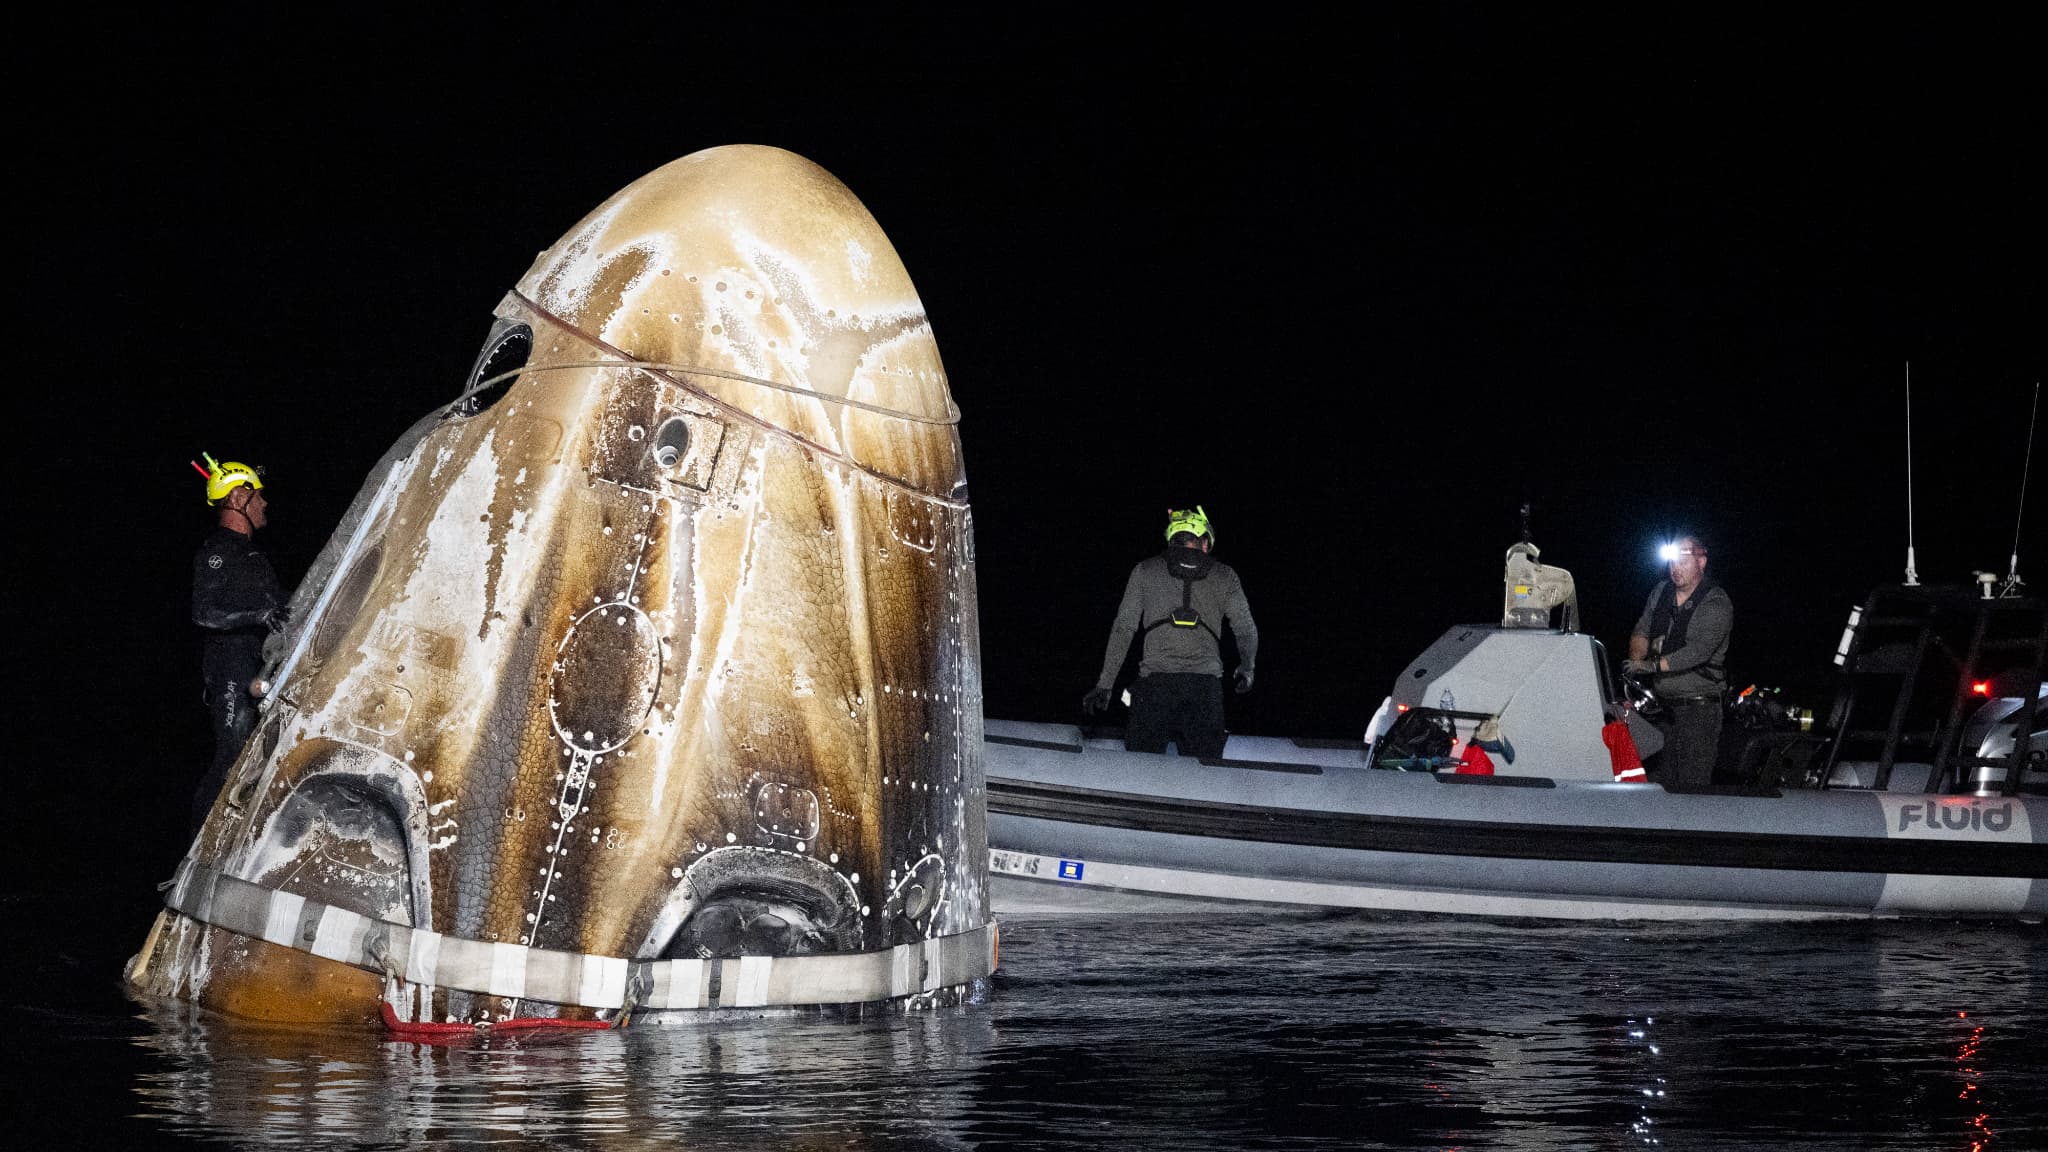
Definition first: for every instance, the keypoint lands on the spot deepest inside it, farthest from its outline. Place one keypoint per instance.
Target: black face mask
(1188, 563)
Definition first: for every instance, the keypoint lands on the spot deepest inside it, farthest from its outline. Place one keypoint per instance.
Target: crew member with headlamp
(1680, 647)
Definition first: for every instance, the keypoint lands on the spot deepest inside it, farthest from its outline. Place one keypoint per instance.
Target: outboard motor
(1994, 744)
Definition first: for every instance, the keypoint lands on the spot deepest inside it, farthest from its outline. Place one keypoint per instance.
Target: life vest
(1194, 565)
(1669, 619)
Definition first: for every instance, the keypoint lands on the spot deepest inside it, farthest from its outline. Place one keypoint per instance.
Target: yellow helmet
(222, 479)
(1179, 520)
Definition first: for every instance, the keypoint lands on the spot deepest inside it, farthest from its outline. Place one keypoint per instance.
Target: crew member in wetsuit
(1681, 644)
(1180, 600)
(237, 603)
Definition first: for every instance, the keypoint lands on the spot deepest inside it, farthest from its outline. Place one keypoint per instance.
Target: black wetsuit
(237, 603)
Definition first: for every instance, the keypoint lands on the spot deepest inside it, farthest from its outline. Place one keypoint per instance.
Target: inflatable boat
(1502, 777)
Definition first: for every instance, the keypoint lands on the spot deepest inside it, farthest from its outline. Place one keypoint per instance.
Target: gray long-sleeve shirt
(1152, 594)
(1696, 667)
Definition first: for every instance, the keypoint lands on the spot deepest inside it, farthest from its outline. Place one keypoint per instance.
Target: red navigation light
(1400, 707)
(1980, 687)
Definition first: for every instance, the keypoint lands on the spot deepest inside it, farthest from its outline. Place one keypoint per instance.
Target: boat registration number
(1029, 864)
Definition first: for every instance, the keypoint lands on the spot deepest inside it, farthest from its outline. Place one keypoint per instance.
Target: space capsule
(643, 677)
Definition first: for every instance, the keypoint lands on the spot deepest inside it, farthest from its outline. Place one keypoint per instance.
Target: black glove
(278, 618)
(1244, 679)
(1097, 700)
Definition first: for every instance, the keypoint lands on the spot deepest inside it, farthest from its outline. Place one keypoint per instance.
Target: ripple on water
(1297, 1030)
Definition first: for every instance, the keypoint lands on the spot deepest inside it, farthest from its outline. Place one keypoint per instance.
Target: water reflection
(782, 1082)
(1338, 1031)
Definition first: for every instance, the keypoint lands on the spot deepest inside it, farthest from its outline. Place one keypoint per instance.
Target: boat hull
(1082, 825)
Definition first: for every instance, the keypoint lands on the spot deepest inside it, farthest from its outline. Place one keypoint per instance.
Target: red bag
(1474, 762)
(1621, 752)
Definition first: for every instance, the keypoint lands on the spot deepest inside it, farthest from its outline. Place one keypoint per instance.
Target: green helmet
(222, 479)
(1179, 520)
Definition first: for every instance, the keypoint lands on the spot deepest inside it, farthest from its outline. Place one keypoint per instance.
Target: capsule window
(496, 369)
(672, 443)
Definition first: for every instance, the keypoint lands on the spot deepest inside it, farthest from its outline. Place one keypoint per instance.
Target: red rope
(429, 1029)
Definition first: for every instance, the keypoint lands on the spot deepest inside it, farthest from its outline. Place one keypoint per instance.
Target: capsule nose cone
(762, 276)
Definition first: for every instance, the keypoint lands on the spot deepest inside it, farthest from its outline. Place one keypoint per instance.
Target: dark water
(1301, 1031)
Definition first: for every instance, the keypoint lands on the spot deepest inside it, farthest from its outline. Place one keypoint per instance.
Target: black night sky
(1361, 289)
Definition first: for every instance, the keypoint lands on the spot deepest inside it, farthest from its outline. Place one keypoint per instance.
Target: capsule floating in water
(643, 677)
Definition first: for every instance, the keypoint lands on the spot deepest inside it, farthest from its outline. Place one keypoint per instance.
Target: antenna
(1912, 577)
(2012, 570)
